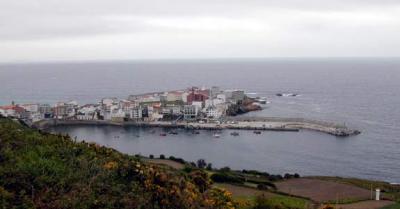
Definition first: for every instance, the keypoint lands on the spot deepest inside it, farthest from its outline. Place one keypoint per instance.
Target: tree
(209, 166)
(151, 156)
(201, 163)
(162, 156)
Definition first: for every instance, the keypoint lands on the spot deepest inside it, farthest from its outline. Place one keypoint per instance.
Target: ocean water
(362, 93)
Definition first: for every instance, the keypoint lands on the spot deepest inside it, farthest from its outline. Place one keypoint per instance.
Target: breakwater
(240, 123)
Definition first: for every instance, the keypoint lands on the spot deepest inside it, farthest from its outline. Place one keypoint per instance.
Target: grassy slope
(40, 170)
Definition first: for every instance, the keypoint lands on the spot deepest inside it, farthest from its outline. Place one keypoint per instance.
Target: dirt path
(322, 191)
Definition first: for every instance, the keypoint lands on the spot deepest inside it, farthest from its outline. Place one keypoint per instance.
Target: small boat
(235, 134)
(153, 132)
(216, 135)
(262, 101)
(137, 136)
(257, 132)
(173, 132)
(196, 132)
(163, 134)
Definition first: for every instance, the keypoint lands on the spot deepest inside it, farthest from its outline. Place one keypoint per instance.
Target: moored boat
(257, 132)
(235, 134)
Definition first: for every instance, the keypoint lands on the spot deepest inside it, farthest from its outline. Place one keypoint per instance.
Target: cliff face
(42, 170)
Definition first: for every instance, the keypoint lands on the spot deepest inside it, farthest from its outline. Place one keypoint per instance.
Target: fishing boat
(235, 133)
(196, 132)
(163, 134)
(257, 132)
(173, 132)
(216, 135)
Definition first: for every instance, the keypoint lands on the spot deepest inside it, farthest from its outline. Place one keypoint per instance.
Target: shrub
(201, 163)
(224, 177)
(162, 156)
(151, 156)
(225, 169)
(209, 166)
(265, 185)
(188, 169)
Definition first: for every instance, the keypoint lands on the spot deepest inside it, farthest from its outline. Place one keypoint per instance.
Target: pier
(238, 123)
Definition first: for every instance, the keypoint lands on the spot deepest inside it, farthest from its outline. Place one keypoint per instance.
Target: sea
(361, 93)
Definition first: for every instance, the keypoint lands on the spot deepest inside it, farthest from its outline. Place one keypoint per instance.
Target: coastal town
(192, 104)
(191, 108)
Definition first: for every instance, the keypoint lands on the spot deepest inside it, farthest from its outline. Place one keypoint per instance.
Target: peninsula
(191, 108)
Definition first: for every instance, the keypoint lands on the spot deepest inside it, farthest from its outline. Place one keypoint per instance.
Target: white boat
(216, 135)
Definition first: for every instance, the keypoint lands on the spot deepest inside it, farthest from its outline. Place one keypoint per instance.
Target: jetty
(237, 123)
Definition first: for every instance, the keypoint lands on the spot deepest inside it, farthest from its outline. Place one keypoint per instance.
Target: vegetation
(394, 206)
(41, 170)
(390, 191)
(274, 202)
(224, 177)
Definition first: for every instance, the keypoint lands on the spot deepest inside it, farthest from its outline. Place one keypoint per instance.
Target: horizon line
(289, 58)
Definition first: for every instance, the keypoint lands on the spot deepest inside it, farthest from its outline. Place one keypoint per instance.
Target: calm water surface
(363, 93)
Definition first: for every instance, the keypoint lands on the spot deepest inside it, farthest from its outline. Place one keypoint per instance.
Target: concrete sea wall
(240, 123)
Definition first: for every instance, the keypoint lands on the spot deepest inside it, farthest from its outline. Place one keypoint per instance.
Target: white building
(33, 108)
(136, 113)
(199, 105)
(190, 112)
(212, 102)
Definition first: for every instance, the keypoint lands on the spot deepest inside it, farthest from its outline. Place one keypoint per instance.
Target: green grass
(394, 206)
(284, 201)
(391, 192)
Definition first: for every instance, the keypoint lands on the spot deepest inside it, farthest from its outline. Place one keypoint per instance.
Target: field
(370, 204)
(246, 196)
(323, 191)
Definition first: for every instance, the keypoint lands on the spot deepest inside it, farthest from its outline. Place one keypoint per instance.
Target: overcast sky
(61, 30)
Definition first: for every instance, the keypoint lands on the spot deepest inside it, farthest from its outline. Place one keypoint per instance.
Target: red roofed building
(197, 95)
(13, 111)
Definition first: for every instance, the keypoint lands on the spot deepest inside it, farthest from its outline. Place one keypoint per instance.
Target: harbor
(210, 108)
(260, 124)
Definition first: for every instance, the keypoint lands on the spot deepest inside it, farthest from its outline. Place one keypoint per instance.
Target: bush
(188, 169)
(209, 166)
(162, 156)
(179, 160)
(275, 177)
(225, 169)
(151, 156)
(254, 172)
(265, 185)
(224, 177)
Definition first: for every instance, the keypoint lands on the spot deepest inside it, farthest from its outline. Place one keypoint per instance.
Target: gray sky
(61, 30)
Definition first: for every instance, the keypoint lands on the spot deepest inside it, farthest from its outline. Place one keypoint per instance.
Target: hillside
(41, 170)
